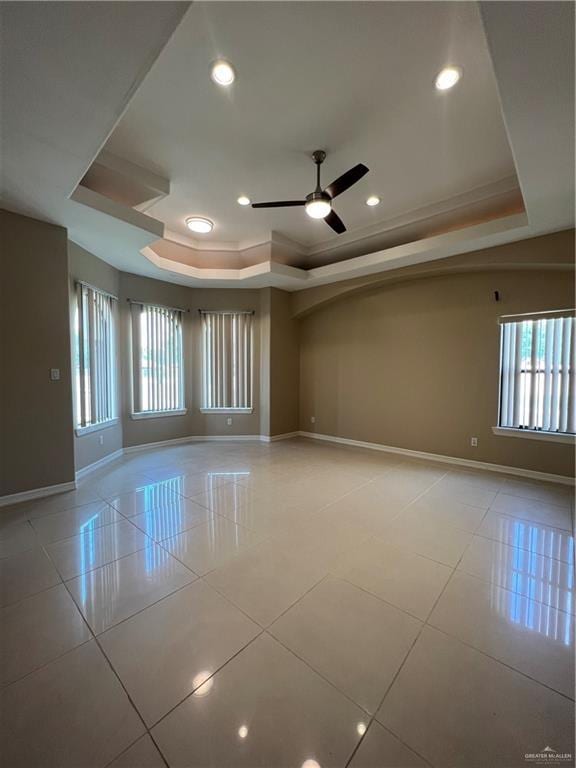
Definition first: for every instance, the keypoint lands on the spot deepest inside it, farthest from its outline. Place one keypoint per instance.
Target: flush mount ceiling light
(200, 225)
(448, 78)
(243, 200)
(373, 200)
(223, 72)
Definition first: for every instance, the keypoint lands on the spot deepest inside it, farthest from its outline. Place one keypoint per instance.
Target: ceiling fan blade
(279, 204)
(344, 182)
(334, 221)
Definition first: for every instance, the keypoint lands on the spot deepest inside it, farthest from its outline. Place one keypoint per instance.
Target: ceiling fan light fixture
(447, 78)
(373, 200)
(243, 200)
(199, 224)
(318, 209)
(223, 72)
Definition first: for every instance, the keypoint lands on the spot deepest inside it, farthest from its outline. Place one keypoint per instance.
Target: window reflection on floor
(534, 581)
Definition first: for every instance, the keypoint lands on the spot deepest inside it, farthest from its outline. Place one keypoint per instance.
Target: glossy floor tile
(145, 499)
(37, 630)
(95, 547)
(534, 537)
(166, 651)
(211, 544)
(24, 575)
(540, 578)
(72, 522)
(16, 538)
(350, 637)
(297, 604)
(166, 521)
(72, 712)
(529, 636)
(264, 708)
(403, 579)
(114, 592)
(534, 510)
(457, 707)
(265, 580)
(142, 754)
(444, 510)
(380, 749)
(416, 531)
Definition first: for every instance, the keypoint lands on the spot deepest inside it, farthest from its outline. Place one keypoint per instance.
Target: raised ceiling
(113, 129)
(356, 79)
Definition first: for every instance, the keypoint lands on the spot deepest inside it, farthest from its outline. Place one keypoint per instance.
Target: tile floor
(292, 605)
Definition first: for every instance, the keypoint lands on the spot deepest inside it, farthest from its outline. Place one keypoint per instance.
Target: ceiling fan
(318, 204)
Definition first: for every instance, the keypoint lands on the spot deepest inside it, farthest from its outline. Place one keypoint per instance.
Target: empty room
(288, 384)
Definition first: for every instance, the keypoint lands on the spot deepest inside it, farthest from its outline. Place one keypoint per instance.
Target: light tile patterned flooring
(293, 605)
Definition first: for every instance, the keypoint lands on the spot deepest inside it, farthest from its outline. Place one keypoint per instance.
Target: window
(537, 379)
(227, 361)
(158, 380)
(94, 363)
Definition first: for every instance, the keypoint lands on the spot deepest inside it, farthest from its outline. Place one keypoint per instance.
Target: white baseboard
(191, 439)
(470, 463)
(36, 493)
(100, 463)
(274, 438)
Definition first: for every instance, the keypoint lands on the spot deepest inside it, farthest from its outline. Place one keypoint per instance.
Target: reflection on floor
(293, 604)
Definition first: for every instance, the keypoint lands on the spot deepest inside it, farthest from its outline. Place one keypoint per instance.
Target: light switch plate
(54, 374)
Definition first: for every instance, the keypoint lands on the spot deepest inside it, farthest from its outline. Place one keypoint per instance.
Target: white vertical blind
(157, 358)
(227, 360)
(538, 381)
(95, 364)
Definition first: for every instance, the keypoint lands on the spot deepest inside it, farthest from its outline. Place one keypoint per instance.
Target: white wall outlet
(101, 439)
(54, 374)
(474, 442)
(229, 420)
(312, 419)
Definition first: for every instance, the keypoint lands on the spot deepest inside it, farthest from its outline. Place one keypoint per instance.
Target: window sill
(534, 434)
(158, 414)
(80, 431)
(225, 411)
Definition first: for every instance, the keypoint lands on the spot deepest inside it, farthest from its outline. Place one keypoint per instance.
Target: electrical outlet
(312, 419)
(54, 374)
(101, 439)
(474, 442)
(229, 420)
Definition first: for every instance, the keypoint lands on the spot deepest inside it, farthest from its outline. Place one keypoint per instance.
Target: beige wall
(83, 266)
(284, 364)
(137, 432)
(415, 365)
(36, 440)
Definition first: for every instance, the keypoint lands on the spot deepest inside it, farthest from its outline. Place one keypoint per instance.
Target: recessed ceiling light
(223, 72)
(373, 200)
(448, 78)
(200, 225)
(243, 200)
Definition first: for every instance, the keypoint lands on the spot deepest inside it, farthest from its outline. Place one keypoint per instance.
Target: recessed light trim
(199, 224)
(447, 78)
(373, 200)
(223, 73)
(243, 200)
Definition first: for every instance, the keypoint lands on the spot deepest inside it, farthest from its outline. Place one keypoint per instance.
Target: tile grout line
(94, 637)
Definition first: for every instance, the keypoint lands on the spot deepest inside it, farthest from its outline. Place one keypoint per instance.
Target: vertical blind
(95, 357)
(538, 384)
(227, 359)
(157, 358)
